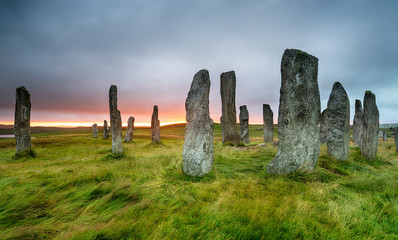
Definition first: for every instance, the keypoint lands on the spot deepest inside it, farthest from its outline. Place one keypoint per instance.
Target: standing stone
(106, 130)
(197, 152)
(116, 122)
(384, 136)
(396, 139)
(94, 127)
(338, 123)
(323, 129)
(155, 125)
(299, 114)
(244, 124)
(22, 120)
(130, 130)
(370, 126)
(268, 120)
(228, 118)
(358, 122)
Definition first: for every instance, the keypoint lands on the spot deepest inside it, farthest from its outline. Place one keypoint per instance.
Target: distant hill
(388, 125)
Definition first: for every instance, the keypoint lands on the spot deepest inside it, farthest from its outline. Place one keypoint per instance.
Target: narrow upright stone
(358, 122)
(244, 124)
(228, 118)
(268, 121)
(155, 125)
(197, 152)
(22, 120)
(323, 131)
(370, 127)
(106, 130)
(338, 123)
(116, 122)
(396, 139)
(299, 114)
(94, 127)
(384, 136)
(130, 130)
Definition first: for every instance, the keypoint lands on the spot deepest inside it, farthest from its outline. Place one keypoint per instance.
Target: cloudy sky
(68, 53)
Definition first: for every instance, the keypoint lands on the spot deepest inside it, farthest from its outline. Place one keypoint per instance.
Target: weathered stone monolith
(155, 125)
(94, 127)
(106, 130)
(299, 114)
(338, 123)
(358, 122)
(384, 136)
(130, 130)
(228, 118)
(268, 121)
(244, 124)
(323, 127)
(22, 120)
(116, 122)
(396, 139)
(370, 127)
(197, 152)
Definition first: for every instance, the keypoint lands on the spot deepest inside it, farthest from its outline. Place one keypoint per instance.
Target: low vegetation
(73, 188)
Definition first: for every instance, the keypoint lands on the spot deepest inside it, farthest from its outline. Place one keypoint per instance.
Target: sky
(68, 54)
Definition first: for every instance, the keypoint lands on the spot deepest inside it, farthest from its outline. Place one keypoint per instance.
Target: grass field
(75, 189)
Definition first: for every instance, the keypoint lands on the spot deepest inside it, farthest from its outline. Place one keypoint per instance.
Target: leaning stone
(228, 117)
(22, 120)
(130, 130)
(94, 127)
(369, 140)
(116, 122)
(338, 123)
(323, 131)
(299, 114)
(268, 121)
(244, 124)
(197, 152)
(155, 125)
(106, 130)
(396, 139)
(358, 122)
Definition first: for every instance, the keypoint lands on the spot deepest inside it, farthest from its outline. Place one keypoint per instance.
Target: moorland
(72, 187)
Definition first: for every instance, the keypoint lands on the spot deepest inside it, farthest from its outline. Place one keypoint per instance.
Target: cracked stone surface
(197, 153)
(299, 114)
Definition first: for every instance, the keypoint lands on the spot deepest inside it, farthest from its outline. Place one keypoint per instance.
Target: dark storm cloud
(68, 53)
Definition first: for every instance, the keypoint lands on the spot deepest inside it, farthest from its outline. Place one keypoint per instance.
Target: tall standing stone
(155, 125)
(228, 118)
(268, 121)
(244, 124)
(197, 152)
(369, 140)
(106, 130)
(94, 127)
(358, 122)
(130, 130)
(396, 139)
(338, 123)
(299, 114)
(22, 120)
(116, 122)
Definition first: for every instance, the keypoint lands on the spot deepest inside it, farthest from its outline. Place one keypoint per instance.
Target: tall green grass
(75, 189)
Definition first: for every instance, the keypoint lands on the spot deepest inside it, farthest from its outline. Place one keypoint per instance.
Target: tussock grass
(75, 189)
